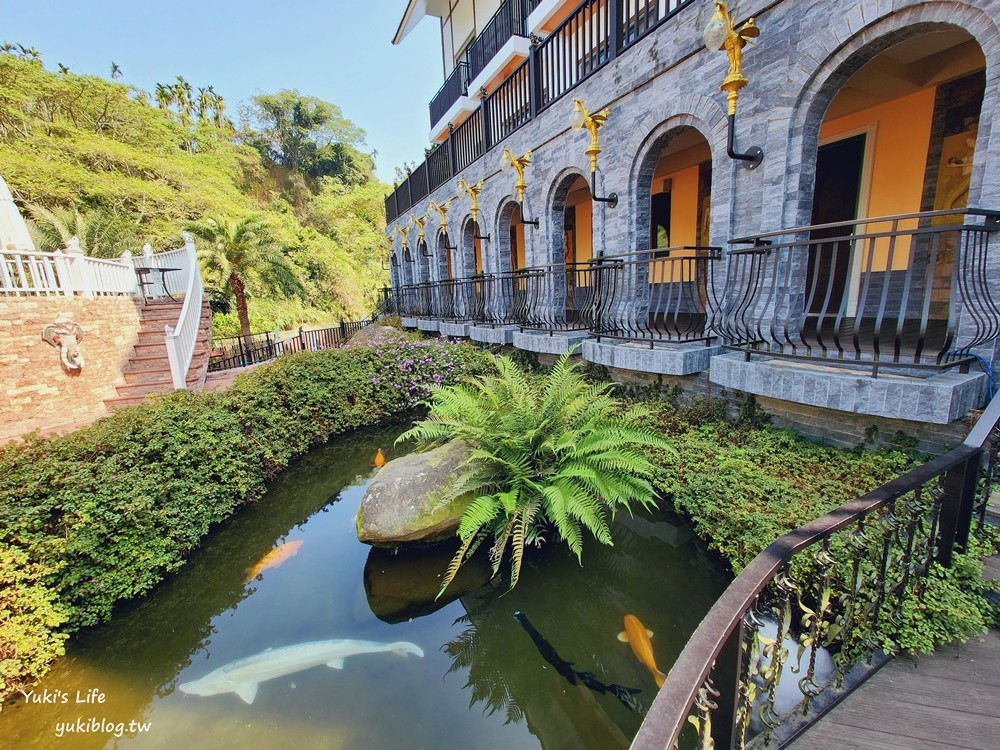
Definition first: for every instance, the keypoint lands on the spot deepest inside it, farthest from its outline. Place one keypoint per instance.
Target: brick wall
(36, 392)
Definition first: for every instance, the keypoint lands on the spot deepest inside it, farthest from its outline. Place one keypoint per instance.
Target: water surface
(486, 681)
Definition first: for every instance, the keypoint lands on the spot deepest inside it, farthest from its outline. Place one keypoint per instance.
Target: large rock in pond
(410, 499)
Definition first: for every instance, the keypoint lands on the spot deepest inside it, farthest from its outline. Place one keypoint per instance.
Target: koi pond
(378, 663)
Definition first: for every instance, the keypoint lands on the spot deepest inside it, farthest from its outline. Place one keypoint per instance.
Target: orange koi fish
(636, 635)
(379, 461)
(274, 558)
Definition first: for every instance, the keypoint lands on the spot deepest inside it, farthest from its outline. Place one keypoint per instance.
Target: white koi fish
(244, 675)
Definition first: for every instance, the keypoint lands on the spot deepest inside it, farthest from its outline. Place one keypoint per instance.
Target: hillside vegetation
(118, 167)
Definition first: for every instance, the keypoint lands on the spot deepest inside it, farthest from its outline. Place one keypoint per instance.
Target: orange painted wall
(519, 240)
(902, 136)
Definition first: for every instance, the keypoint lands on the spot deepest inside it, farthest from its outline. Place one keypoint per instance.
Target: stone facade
(668, 82)
(37, 392)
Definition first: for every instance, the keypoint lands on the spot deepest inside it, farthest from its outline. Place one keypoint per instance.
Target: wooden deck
(948, 700)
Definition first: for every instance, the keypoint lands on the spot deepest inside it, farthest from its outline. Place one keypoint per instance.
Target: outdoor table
(143, 272)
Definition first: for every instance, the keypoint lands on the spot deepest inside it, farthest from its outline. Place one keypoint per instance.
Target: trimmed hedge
(101, 515)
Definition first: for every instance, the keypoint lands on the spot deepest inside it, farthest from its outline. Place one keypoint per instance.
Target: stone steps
(148, 369)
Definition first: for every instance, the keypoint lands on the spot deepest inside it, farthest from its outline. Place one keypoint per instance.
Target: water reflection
(333, 588)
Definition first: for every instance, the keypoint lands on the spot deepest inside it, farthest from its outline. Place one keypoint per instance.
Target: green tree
(563, 455)
(291, 129)
(239, 252)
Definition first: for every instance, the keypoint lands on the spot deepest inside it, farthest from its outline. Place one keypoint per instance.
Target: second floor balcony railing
(455, 86)
(908, 290)
(506, 23)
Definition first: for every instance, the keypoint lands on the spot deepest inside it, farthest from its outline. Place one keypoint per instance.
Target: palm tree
(164, 97)
(63, 70)
(101, 233)
(242, 251)
(116, 72)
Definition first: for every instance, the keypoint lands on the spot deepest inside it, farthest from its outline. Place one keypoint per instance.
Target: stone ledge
(408, 322)
(557, 342)
(675, 359)
(425, 324)
(460, 330)
(938, 399)
(503, 335)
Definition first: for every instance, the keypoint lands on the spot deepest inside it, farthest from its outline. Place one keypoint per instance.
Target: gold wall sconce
(404, 241)
(474, 191)
(420, 221)
(579, 119)
(721, 34)
(442, 210)
(509, 161)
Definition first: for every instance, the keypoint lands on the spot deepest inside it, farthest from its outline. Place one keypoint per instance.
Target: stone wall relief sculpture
(67, 336)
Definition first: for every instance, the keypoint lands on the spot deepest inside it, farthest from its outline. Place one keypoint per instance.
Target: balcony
(451, 106)
(906, 293)
(453, 89)
(591, 34)
(502, 42)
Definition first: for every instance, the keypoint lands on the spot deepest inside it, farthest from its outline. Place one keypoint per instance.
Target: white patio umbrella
(12, 227)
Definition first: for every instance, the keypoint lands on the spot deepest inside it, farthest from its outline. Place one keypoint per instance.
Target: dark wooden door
(835, 199)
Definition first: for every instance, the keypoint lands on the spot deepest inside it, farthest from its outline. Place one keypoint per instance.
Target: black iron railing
(595, 33)
(229, 352)
(908, 290)
(656, 296)
(509, 107)
(506, 23)
(578, 48)
(468, 141)
(456, 85)
(438, 166)
(419, 187)
(827, 593)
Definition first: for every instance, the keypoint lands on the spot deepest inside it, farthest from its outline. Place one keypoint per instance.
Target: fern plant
(561, 454)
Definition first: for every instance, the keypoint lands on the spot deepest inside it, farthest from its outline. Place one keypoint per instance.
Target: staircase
(147, 370)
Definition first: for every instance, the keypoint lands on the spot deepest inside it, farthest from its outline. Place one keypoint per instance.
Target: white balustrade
(181, 338)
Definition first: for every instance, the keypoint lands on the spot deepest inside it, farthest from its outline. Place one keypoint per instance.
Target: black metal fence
(878, 291)
(832, 588)
(456, 85)
(507, 22)
(656, 296)
(229, 352)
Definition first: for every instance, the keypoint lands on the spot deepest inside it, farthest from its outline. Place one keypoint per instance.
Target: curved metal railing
(832, 589)
(181, 338)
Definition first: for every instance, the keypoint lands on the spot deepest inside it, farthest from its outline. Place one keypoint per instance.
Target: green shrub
(104, 513)
(29, 618)
(553, 454)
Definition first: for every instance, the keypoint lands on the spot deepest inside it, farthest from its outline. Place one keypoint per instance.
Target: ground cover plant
(103, 514)
(743, 484)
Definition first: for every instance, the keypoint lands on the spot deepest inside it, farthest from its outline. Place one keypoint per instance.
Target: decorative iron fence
(656, 296)
(577, 49)
(640, 17)
(878, 291)
(814, 608)
(507, 22)
(438, 166)
(455, 86)
(419, 187)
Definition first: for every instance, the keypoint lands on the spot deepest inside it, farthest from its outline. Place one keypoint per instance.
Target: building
(846, 279)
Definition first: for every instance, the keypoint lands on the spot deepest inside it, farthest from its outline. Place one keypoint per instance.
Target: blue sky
(337, 50)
